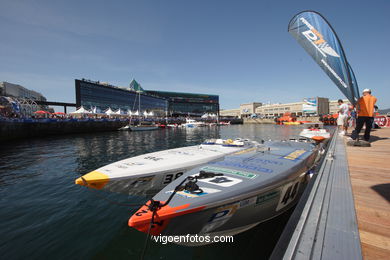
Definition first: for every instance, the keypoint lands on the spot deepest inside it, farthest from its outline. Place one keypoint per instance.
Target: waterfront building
(230, 112)
(17, 91)
(247, 110)
(184, 104)
(18, 100)
(91, 94)
(307, 107)
(103, 95)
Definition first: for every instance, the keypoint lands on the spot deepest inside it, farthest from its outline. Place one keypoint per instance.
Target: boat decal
(220, 216)
(246, 150)
(266, 197)
(133, 163)
(245, 165)
(294, 155)
(181, 153)
(153, 158)
(121, 166)
(141, 180)
(247, 202)
(257, 160)
(244, 174)
(224, 181)
(188, 194)
(168, 178)
(288, 194)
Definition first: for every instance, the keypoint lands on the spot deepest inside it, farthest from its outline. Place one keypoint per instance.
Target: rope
(148, 235)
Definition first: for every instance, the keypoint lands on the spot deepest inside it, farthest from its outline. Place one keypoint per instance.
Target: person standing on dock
(365, 111)
(342, 119)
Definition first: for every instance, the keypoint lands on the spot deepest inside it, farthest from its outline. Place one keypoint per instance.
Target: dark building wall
(189, 103)
(90, 94)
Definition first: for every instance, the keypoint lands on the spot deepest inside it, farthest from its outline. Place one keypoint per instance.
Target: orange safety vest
(366, 106)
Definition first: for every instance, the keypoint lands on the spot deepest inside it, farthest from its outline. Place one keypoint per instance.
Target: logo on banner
(317, 39)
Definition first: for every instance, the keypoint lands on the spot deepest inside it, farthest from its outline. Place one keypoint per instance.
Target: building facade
(184, 104)
(249, 109)
(103, 96)
(309, 106)
(17, 91)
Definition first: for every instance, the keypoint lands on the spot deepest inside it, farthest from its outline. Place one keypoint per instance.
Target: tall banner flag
(318, 38)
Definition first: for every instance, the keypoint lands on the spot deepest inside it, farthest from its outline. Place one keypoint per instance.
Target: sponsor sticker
(266, 197)
(247, 202)
(223, 181)
(294, 155)
(188, 194)
(244, 174)
(220, 216)
(246, 150)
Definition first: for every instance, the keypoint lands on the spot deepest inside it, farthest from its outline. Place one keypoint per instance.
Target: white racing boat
(316, 134)
(149, 173)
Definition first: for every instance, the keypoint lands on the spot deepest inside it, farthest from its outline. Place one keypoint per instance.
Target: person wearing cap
(342, 118)
(365, 111)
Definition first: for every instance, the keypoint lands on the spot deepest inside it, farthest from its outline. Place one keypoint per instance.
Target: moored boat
(315, 133)
(232, 195)
(149, 173)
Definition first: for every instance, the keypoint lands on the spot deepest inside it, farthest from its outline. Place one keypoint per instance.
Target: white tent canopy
(109, 111)
(120, 112)
(81, 110)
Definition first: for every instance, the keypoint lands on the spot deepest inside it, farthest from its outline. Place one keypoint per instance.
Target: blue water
(43, 214)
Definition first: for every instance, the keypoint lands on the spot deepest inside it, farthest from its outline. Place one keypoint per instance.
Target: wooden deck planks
(369, 169)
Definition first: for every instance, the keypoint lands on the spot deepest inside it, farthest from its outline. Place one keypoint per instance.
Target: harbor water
(43, 214)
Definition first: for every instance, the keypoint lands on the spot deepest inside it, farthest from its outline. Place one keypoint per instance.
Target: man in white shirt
(342, 120)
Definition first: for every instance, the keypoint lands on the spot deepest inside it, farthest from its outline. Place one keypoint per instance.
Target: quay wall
(10, 130)
(314, 119)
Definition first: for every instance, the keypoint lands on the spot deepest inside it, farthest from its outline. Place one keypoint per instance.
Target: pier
(370, 177)
(345, 211)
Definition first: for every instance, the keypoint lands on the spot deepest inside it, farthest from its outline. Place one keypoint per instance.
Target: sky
(239, 50)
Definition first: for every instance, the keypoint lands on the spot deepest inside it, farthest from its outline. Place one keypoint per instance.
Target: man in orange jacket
(365, 111)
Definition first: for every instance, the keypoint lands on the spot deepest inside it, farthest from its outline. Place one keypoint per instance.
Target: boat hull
(148, 173)
(271, 183)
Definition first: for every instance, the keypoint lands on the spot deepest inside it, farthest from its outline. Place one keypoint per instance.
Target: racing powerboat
(149, 173)
(231, 195)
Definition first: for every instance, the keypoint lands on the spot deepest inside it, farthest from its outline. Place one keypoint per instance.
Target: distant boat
(315, 134)
(143, 127)
(191, 123)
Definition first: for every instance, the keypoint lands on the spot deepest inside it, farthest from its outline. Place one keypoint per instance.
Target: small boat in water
(149, 173)
(315, 133)
(191, 123)
(231, 195)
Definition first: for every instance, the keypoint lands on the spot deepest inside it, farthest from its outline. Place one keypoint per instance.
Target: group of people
(360, 115)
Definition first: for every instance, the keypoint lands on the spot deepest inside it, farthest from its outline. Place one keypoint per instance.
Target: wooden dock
(369, 169)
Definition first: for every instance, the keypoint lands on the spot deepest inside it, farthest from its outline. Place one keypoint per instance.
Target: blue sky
(240, 50)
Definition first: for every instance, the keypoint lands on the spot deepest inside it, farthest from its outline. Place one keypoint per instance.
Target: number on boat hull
(171, 177)
(288, 194)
